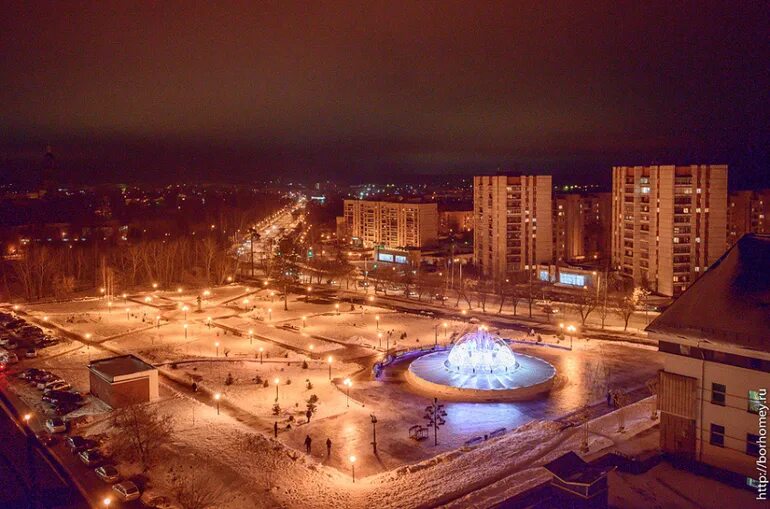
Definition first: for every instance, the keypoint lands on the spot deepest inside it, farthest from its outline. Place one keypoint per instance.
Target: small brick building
(123, 380)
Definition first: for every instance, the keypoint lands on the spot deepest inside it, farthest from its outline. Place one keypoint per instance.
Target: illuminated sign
(572, 279)
(385, 257)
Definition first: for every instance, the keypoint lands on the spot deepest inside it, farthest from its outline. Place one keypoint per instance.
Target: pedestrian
(308, 414)
(275, 429)
(328, 447)
(195, 387)
(308, 442)
(609, 399)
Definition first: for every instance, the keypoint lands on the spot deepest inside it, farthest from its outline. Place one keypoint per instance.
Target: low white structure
(713, 389)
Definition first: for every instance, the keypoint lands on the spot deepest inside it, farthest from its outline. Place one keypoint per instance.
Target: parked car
(56, 425)
(48, 380)
(107, 473)
(9, 357)
(46, 438)
(31, 353)
(58, 386)
(126, 491)
(91, 457)
(63, 408)
(28, 373)
(76, 443)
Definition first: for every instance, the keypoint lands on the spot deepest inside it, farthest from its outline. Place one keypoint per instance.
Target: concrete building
(123, 380)
(455, 221)
(747, 212)
(669, 223)
(513, 223)
(582, 227)
(391, 224)
(713, 387)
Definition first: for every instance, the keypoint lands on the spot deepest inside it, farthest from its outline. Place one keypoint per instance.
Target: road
(60, 478)
(29, 474)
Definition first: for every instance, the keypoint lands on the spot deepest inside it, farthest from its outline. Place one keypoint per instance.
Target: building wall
(454, 221)
(392, 224)
(122, 393)
(513, 223)
(668, 223)
(734, 415)
(582, 227)
(747, 212)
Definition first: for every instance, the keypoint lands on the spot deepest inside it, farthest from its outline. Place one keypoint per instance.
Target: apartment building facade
(391, 224)
(747, 212)
(712, 390)
(669, 223)
(512, 223)
(582, 227)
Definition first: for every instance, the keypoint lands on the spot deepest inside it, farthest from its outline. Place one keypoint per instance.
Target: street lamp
(379, 339)
(128, 317)
(337, 307)
(125, 298)
(107, 501)
(329, 360)
(347, 384)
(157, 321)
(571, 330)
(374, 432)
(270, 314)
(185, 331)
(216, 344)
(277, 382)
(217, 397)
(377, 317)
(260, 354)
(185, 309)
(353, 466)
(109, 307)
(307, 297)
(251, 337)
(155, 286)
(27, 417)
(179, 290)
(304, 322)
(208, 322)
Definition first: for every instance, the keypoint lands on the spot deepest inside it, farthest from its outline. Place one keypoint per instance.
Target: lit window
(755, 402)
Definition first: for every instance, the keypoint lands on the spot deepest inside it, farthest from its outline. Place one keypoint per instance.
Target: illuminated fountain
(481, 366)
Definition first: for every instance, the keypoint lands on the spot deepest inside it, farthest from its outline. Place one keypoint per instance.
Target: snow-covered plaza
(257, 368)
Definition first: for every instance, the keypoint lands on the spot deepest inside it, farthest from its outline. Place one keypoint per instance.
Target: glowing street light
(571, 331)
(270, 314)
(337, 307)
(217, 397)
(261, 350)
(148, 299)
(377, 317)
(347, 384)
(155, 286)
(277, 382)
(27, 417)
(128, 316)
(45, 318)
(353, 466)
(107, 501)
(185, 309)
(206, 293)
(251, 337)
(216, 345)
(304, 322)
(445, 325)
(125, 298)
(179, 290)
(185, 331)
(379, 339)
(157, 321)
(208, 322)
(330, 359)
(109, 307)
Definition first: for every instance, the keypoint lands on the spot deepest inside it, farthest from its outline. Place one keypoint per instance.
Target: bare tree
(142, 431)
(585, 303)
(195, 491)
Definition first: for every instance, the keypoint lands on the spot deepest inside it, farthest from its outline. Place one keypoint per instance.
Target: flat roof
(122, 365)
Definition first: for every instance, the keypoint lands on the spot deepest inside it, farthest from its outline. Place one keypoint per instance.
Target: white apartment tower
(668, 223)
(513, 223)
(391, 224)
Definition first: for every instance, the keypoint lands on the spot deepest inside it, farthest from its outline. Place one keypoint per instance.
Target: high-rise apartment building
(513, 223)
(391, 224)
(747, 212)
(669, 223)
(582, 227)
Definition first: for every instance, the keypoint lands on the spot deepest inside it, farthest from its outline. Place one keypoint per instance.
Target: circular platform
(529, 378)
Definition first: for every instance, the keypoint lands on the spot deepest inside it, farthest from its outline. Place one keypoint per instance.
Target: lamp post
(208, 322)
(374, 433)
(125, 299)
(571, 330)
(307, 295)
(185, 331)
(260, 354)
(337, 308)
(109, 307)
(347, 384)
(185, 309)
(379, 339)
(216, 344)
(435, 336)
(155, 286)
(251, 337)
(270, 314)
(304, 322)
(377, 317)
(107, 501)
(217, 397)
(277, 382)
(157, 321)
(329, 360)
(353, 467)
(445, 326)
(127, 313)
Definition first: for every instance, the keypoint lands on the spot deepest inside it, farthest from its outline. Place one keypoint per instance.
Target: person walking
(308, 414)
(308, 442)
(328, 447)
(275, 429)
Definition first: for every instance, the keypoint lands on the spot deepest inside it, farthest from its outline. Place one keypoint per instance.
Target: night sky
(128, 91)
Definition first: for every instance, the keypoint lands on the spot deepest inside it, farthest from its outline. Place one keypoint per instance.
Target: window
(755, 402)
(752, 444)
(718, 394)
(717, 435)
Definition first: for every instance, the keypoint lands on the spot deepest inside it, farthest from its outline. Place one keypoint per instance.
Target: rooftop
(122, 365)
(730, 303)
